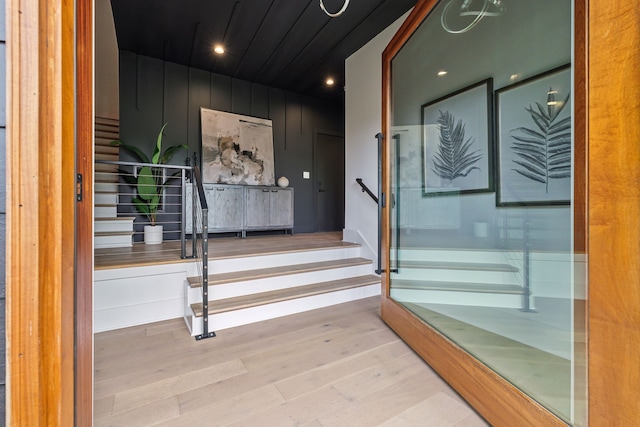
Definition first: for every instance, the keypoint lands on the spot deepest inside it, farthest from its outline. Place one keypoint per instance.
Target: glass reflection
(481, 169)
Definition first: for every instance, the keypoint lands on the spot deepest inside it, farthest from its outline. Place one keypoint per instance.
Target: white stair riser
(140, 314)
(105, 198)
(276, 260)
(110, 211)
(113, 241)
(234, 289)
(457, 298)
(115, 225)
(136, 290)
(270, 311)
(451, 275)
(445, 255)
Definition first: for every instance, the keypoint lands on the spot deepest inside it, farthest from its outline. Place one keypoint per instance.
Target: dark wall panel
(277, 114)
(220, 92)
(259, 101)
(241, 97)
(299, 158)
(153, 92)
(176, 100)
(140, 102)
(199, 97)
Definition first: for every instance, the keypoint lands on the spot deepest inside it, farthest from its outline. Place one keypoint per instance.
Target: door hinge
(79, 187)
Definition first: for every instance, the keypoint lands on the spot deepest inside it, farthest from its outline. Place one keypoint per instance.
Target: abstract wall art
(236, 149)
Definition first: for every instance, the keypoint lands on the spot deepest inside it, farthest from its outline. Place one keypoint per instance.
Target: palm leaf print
(453, 158)
(544, 151)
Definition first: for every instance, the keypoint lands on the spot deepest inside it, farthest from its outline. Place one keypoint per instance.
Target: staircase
(255, 288)
(462, 277)
(110, 231)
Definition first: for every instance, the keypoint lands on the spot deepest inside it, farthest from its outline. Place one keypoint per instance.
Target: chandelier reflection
(468, 8)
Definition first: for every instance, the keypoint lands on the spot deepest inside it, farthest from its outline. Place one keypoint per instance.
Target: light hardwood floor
(336, 366)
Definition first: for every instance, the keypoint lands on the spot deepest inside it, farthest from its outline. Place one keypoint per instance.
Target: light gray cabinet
(268, 208)
(237, 208)
(225, 207)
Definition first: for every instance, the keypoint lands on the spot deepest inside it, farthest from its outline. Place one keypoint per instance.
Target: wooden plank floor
(219, 247)
(335, 366)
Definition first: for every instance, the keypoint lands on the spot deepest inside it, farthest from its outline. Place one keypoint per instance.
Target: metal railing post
(183, 208)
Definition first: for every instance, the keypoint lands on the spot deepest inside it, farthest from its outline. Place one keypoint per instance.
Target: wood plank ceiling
(288, 44)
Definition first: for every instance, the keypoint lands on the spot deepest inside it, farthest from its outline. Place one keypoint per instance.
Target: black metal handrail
(366, 189)
(201, 211)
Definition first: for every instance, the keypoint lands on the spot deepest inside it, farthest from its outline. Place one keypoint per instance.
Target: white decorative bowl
(283, 182)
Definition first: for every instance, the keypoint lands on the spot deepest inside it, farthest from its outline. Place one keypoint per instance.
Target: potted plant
(149, 182)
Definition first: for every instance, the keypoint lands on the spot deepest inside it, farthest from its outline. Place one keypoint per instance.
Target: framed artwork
(236, 149)
(534, 138)
(457, 156)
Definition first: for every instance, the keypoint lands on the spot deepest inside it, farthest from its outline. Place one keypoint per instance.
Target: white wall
(107, 103)
(363, 120)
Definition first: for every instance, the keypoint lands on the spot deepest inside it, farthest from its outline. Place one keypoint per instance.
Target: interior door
(329, 184)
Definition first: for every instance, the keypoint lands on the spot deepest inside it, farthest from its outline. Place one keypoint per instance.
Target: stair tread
(116, 218)
(456, 286)
(260, 273)
(263, 298)
(113, 233)
(454, 265)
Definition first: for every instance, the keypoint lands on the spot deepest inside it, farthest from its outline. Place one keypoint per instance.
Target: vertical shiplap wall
(153, 92)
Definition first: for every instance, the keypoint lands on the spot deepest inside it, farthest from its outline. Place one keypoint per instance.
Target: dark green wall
(153, 92)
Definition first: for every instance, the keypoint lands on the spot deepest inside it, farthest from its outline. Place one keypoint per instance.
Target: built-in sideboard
(242, 208)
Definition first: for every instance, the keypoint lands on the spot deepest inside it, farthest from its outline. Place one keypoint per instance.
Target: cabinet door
(281, 208)
(225, 207)
(257, 207)
(188, 216)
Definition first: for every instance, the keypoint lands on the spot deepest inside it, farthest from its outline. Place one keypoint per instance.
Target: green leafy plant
(544, 151)
(149, 181)
(453, 158)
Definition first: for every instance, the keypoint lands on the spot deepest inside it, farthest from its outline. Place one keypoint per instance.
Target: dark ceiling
(287, 44)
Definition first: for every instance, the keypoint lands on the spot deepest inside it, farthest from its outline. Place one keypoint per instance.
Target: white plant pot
(153, 234)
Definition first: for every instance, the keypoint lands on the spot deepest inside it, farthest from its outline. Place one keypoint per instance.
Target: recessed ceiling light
(442, 73)
(218, 49)
(330, 81)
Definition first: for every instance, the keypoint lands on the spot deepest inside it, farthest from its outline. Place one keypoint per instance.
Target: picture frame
(457, 154)
(236, 149)
(534, 169)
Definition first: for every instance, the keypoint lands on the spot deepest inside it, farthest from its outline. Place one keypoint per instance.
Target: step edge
(196, 308)
(255, 275)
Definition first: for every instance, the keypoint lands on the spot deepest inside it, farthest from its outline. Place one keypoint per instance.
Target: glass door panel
(481, 172)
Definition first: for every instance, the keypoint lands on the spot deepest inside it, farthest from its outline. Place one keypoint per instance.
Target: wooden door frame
(606, 218)
(46, 128)
(84, 213)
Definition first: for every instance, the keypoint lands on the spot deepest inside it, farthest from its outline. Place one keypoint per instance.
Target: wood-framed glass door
(49, 229)
(485, 252)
